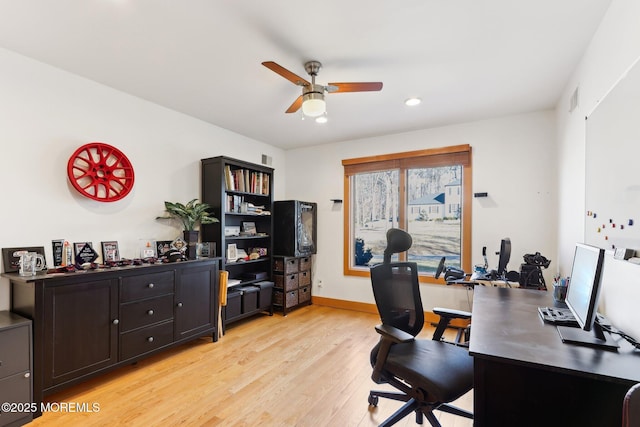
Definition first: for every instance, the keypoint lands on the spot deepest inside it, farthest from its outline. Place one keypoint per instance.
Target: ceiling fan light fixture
(313, 104)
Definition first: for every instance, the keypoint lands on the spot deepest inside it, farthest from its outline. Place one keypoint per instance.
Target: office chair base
(374, 395)
(450, 409)
(412, 405)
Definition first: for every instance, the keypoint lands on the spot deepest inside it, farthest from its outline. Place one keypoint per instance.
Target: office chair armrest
(451, 313)
(389, 337)
(446, 315)
(394, 334)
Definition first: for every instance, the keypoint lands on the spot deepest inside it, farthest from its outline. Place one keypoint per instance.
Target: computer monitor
(584, 285)
(504, 257)
(582, 298)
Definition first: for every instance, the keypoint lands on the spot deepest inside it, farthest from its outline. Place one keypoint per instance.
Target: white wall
(613, 49)
(513, 160)
(46, 114)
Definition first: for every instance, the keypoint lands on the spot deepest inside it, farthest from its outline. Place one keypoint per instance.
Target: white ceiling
(466, 59)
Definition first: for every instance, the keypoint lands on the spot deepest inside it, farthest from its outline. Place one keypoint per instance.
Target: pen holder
(559, 293)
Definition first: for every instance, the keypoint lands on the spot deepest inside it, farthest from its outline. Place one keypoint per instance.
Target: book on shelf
(236, 204)
(246, 181)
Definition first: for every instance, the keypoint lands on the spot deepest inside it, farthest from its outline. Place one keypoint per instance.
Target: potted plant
(191, 214)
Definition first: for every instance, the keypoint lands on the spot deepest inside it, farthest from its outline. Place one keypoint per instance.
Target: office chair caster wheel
(373, 400)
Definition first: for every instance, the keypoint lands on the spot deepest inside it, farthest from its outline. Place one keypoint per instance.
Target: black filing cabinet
(15, 370)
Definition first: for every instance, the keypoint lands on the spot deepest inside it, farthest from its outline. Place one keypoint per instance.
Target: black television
(582, 298)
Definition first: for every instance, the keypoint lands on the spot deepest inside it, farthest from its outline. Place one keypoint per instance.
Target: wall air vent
(573, 101)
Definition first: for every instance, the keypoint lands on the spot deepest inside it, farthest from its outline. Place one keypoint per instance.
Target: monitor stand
(596, 337)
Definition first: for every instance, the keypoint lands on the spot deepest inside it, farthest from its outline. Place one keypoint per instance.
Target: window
(427, 193)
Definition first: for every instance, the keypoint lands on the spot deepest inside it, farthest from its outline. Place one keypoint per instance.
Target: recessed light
(411, 102)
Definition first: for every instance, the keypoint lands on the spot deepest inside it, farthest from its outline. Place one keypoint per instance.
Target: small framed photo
(179, 244)
(232, 252)
(11, 261)
(249, 228)
(208, 249)
(163, 246)
(110, 251)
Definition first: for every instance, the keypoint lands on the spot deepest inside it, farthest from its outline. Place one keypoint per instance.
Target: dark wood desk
(526, 376)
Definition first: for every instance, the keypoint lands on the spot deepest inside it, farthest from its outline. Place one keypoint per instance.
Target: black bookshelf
(240, 193)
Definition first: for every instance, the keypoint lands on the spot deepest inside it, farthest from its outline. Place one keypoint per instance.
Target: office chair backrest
(397, 294)
(396, 288)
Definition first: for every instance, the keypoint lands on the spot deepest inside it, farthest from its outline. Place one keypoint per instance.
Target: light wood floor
(310, 368)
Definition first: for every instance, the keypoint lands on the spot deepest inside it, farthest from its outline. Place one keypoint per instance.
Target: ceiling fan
(312, 98)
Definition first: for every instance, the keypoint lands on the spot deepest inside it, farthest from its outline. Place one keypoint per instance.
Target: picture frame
(208, 249)
(249, 228)
(110, 251)
(11, 263)
(179, 244)
(232, 252)
(163, 247)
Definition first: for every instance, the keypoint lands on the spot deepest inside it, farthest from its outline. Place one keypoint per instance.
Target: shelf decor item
(191, 214)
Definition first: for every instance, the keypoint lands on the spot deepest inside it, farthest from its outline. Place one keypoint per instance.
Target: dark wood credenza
(89, 322)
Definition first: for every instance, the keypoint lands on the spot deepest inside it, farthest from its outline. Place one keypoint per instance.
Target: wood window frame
(433, 157)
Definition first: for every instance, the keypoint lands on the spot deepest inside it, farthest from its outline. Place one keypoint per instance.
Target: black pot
(191, 237)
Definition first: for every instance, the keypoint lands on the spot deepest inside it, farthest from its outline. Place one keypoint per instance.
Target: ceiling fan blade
(292, 77)
(357, 87)
(295, 106)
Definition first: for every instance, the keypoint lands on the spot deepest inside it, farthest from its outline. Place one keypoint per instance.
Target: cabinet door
(80, 329)
(196, 300)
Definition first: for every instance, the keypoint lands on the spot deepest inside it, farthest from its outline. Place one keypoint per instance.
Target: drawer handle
(116, 321)
(150, 339)
(179, 304)
(150, 312)
(27, 374)
(150, 285)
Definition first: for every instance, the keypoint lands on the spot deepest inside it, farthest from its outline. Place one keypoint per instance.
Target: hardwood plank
(310, 368)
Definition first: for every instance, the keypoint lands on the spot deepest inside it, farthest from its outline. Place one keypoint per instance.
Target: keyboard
(557, 316)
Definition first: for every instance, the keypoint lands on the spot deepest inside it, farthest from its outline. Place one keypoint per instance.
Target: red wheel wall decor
(100, 172)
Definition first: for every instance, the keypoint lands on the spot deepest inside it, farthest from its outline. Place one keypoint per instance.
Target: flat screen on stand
(582, 298)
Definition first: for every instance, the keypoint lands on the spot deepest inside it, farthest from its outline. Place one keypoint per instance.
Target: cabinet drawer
(146, 286)
(14, 352)
(16, 389)
(143, 340)
(146, 312)
(287, 282)
(304, 278)
(304, 294)
(305, 264)
(285, 264)
(285, 299)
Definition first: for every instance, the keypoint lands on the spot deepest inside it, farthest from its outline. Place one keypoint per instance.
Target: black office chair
(631, 407)
(428, 373)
